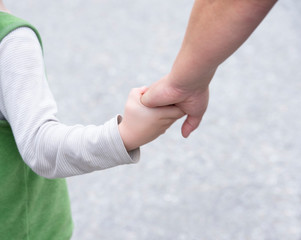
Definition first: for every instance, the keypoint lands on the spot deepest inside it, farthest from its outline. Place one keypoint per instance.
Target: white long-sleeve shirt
(48, 147)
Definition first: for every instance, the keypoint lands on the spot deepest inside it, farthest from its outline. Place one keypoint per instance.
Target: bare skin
(216, 29)
(141, 124)
(2, 7)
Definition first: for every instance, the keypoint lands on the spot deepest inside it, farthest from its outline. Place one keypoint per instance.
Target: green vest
(31, 207)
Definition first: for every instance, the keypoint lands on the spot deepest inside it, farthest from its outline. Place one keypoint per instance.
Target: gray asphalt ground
(236, 178)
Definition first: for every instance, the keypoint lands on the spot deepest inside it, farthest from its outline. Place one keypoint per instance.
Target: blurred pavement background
(236, 178)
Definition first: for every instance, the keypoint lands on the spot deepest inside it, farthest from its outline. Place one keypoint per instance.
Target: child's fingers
(170, 111)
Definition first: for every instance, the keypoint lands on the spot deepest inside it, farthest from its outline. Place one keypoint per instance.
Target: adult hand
(215, 30)
(141, 124)
(192, 100)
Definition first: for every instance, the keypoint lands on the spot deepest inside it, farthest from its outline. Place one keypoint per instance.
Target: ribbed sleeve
(49, 147)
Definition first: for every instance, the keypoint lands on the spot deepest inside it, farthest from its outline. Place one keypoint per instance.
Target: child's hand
(141, 124)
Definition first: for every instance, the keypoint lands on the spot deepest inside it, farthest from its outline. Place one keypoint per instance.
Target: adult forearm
(215, 30)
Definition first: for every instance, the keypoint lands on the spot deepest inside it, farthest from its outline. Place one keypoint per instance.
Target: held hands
(141, 124)
(150, 112)
(191, 98)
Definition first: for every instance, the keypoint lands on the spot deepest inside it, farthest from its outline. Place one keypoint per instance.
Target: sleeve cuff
(124, 156)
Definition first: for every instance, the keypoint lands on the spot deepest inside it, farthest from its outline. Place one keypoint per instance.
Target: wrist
(126, 137)
(189, 81)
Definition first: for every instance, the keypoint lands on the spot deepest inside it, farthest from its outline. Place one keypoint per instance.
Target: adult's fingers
(172, 112)
(190, 124)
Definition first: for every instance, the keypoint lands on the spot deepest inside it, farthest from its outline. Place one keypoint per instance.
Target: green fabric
(9, 23)
(31, 207)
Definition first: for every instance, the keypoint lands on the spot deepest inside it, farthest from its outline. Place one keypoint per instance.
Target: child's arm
(141, 124)
(48, 147)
